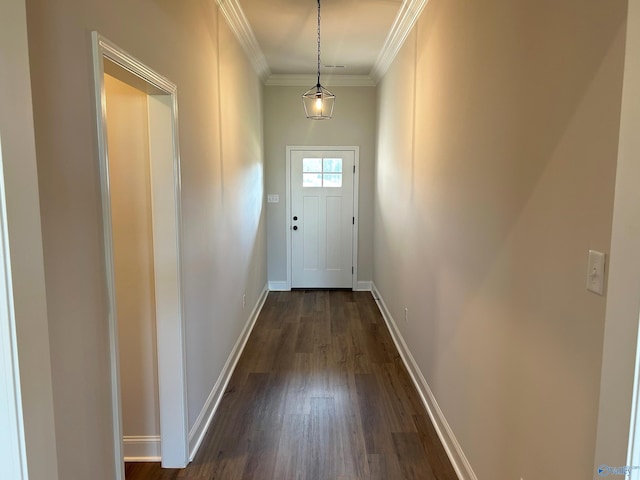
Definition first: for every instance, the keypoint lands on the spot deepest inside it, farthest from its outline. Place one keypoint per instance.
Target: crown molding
(239, 24)
(402, 25)
(286, 80)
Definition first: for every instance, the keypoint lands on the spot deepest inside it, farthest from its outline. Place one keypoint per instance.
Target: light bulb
(318, 103)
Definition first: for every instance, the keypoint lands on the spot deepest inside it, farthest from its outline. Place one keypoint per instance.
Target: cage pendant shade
(318, 101)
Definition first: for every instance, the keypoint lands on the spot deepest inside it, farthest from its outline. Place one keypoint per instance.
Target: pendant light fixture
(318, 101)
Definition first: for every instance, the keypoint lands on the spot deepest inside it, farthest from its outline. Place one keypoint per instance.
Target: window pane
(312, 165)
(332, 165)
(311, 179)
(332, 180)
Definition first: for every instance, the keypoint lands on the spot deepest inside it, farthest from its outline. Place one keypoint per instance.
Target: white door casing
(166, 222)
(322, 218)
(12, 446)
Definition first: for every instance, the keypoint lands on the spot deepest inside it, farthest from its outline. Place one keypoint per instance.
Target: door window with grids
(322, 172)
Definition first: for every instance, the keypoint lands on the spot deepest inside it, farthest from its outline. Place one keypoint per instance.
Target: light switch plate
(273, 198)
(595, 272)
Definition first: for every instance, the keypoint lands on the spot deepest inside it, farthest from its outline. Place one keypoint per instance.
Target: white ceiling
(361, 35)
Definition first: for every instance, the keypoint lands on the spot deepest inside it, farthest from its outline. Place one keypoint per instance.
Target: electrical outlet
(406, 314)
(244, 300)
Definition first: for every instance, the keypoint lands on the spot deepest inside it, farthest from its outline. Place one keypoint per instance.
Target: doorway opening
(322, 217)
(158, 95)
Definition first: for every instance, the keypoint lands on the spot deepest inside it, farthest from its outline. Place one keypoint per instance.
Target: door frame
(356, 183)
(166, 220)
(12, 434)
(619, 402)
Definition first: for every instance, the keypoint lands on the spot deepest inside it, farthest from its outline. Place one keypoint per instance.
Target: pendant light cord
(318, 44)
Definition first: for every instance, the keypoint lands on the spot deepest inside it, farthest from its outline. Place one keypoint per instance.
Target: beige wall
(497, 144)
(223, 237)
(20, 183)
(353, 124)
(130, 188)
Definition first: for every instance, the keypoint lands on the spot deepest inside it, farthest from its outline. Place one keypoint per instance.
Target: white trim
(278, 287)
(356, 182)
(167, 241)
(356, 218)
(12, 435)
(620, 354)
(142, 449)
(199, 429)
(286, 80)
(633, 449)
(170, 328)
(237, 21)
(98, 74)
(364, 286)
(454, 451)
(404, 22)
(287, 208)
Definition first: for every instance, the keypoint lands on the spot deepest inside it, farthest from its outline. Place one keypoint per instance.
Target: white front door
(322, 218)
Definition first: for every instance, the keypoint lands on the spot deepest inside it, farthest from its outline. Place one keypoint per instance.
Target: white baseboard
(282, 286)
(278, 287)
(142, 449)
(196, 435)
(447, 437)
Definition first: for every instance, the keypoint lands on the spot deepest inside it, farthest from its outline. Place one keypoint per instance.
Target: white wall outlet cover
(273, 198)
(595, 272)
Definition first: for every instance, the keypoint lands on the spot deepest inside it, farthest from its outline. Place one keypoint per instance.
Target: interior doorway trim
(12, 435)
(166, 220)
(356, 182)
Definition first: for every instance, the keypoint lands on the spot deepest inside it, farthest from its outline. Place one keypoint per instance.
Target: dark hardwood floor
(320, 393)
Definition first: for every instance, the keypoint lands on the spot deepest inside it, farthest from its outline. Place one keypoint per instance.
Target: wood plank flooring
(320, 393)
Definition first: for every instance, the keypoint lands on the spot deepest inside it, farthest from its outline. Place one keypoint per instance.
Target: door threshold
(322, 289)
